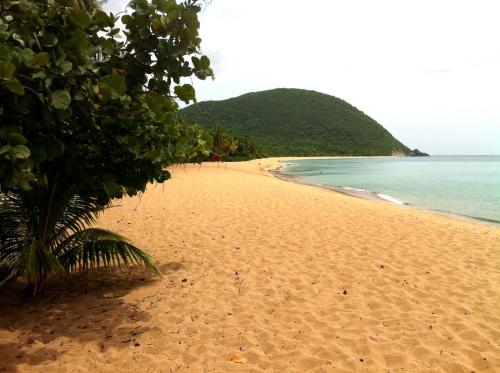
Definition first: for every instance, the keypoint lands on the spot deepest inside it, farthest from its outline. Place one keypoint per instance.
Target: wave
(389, 198)
(364, 193)
(287, 165)
(355, 189)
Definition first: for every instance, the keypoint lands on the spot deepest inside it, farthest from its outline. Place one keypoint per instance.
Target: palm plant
(48, 233)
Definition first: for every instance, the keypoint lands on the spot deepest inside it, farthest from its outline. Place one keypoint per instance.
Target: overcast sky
(427, 70)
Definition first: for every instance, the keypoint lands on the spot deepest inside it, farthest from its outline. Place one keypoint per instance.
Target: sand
(261, 274)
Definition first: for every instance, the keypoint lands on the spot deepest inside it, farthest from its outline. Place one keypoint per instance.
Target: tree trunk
(35, 288)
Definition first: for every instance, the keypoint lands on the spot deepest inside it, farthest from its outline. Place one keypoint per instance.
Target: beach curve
(265, 275)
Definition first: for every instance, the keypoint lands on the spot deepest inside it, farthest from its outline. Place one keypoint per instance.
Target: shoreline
(371, 196)
(364, 194)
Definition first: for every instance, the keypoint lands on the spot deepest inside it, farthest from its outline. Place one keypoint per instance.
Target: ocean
(462, 185)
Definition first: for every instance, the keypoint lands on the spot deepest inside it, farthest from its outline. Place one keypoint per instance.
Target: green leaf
(204, 62)
(25, 185)
(19, 152)
(107, 46)
(26, 54)
(155, 102)
(115, 83)
(162, 87)
(41, 59)
(185, 92)
(60, 99)
(78, 96)
(39, 75)
(165, 5)
(164, 176)
(14, 86)
(101, 19)
(196, 62)
(157, 26)
(4, 35)
(5, 52)
(49, 40)
(80, 18)
(65, 67)
(191, 20)
(17, 139)
(7, 69)
(154, 155)
(4, 149)
(126, 19)
(114, 32)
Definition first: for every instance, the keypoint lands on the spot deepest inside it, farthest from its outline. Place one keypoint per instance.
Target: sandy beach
(265, 275)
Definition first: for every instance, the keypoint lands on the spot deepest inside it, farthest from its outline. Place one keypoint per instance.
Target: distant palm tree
(48, 234)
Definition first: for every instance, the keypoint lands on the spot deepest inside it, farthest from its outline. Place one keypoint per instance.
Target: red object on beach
(217, 158)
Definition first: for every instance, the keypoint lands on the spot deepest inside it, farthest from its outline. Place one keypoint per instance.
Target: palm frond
(38, 262)
(94, 247)
(47, 233)
(12, 216)
(71, 213)
(14, 237)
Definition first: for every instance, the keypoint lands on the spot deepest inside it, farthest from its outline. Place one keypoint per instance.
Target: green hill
(296, 122)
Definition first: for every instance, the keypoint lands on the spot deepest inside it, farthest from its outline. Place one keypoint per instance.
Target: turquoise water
(462, 185)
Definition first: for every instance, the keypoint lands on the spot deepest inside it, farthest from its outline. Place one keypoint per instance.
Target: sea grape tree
(80, 98)
(88, 103)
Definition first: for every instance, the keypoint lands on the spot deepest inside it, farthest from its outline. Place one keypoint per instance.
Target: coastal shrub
(87, 114)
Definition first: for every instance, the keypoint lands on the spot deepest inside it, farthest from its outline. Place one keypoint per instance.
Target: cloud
(115, 6)
(439, 70)
(431, 64)
(216, 59)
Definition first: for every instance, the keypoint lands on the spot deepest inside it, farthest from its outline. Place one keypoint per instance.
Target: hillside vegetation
(296, 122)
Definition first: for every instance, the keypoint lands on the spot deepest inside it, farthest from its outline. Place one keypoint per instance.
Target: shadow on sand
(85, 310)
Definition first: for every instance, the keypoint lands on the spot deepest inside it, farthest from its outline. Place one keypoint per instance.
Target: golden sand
(261, 274)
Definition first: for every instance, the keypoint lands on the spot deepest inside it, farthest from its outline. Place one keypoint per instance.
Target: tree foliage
(297, 122)
(229, 147)
(79, 98)
(89, 108)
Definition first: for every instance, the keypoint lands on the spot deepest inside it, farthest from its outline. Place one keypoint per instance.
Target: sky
(427, 70)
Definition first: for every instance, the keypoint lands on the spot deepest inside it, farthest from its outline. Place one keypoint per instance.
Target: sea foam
(390, 199)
